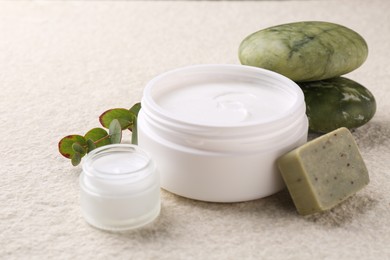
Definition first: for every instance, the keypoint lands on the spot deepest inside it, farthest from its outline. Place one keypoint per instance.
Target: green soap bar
(324, 172)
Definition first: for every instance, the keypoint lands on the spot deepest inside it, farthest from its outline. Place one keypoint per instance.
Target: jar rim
(153, 109)
(132, 175)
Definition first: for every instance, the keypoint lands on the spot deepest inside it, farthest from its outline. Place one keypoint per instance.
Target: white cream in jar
(215, 131)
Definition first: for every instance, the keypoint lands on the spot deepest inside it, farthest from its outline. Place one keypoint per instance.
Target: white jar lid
(119, 188)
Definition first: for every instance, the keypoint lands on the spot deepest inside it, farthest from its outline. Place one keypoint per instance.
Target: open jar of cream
(215, 131)
(120, 188)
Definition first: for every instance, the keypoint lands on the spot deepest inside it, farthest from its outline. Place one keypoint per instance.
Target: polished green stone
(305, 51)
(324, 172)
(337, 102)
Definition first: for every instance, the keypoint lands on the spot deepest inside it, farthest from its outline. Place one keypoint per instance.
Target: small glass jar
(215, 131)
(120, 188)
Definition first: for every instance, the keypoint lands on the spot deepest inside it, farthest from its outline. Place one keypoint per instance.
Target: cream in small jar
(215, 131)
(119, 188)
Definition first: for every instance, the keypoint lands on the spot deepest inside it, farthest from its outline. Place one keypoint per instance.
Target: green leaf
(65, 144)
(91, 145)
(124, 116)
(99, 136)
(135, 108)
(77, 148)
(134, 133)
(76, 159)
(115, 132)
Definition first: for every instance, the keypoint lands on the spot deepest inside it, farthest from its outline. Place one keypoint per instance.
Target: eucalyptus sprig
(116, 120)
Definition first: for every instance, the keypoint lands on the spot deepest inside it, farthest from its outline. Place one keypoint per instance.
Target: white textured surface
(63, 63)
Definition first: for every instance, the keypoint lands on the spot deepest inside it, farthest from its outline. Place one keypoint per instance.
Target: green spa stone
(337, 102)
(324, 172)
(305, 51)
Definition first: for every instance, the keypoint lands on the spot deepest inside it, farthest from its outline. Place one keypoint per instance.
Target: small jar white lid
(119, 188)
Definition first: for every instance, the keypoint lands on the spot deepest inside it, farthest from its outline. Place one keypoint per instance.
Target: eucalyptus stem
(101, 139)
(116, 120)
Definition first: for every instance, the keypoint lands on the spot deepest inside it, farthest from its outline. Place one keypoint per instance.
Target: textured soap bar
(324, 172)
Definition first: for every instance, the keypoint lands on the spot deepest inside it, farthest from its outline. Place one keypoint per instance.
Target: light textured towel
(63, 63)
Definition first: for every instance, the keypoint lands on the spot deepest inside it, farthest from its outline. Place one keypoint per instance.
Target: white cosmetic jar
(215, 131)
(120, 188)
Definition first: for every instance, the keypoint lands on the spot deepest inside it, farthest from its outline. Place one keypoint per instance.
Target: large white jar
(215, 131)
